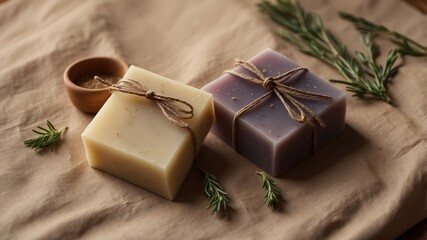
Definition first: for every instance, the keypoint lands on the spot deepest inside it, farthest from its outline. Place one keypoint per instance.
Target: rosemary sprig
(218, 199)
(272, 193)
(306, 31)
(406, 45)
(48, 137)
(379, 75)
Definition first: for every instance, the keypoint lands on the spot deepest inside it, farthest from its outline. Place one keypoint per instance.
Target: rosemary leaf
(305, 30)
(272, 193)
(218, 199)
(48, 137)
(406, 45)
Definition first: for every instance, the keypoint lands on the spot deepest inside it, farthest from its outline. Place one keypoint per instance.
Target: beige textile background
(368, 183)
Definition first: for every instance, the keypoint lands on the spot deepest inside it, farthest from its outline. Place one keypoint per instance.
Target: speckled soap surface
(266, 134)
(131, 138)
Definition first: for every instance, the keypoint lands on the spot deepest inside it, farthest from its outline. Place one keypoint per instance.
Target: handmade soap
(131, 138)
(266, 134)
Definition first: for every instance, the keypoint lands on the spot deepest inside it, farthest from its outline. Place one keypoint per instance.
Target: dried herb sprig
(406, 45)
(379, 75)
(49, 137)
(306, 31)
(272, 193)
(218, 199)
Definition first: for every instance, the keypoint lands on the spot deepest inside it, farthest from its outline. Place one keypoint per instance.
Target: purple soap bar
(266, 134)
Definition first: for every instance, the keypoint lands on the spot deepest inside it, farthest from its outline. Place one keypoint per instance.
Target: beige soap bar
(130, 137)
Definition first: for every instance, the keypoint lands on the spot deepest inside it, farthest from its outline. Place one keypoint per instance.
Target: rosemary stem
(362, 75)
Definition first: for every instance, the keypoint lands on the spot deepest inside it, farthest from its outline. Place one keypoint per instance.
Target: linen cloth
(368, 183)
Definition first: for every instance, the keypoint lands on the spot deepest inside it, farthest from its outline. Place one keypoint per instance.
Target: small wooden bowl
(86, 99)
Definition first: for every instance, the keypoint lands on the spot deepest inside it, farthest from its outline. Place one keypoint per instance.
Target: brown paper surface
(368, 183)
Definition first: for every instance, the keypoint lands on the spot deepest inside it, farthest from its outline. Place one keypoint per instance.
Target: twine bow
(276, 85)
(174, 109)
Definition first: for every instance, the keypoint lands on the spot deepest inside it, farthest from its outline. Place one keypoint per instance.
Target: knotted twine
(276, 85)
(174, 109)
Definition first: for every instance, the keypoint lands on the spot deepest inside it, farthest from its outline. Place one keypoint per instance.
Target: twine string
(287, 95)
(174, 109)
